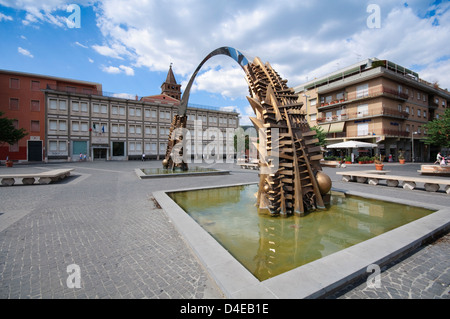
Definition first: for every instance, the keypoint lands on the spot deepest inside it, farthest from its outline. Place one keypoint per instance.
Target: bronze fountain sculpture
(291, 177)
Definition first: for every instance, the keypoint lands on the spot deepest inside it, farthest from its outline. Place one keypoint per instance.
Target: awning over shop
(336, 127)
(352, 144)
(325, 128)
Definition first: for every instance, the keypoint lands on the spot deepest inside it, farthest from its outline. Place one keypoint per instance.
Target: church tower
(170, 86)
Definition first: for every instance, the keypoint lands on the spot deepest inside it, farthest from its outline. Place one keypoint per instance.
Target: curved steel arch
(236, 55)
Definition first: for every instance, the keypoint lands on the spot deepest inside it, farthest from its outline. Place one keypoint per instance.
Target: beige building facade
(111, 128)
(376, 101)
(104, 127)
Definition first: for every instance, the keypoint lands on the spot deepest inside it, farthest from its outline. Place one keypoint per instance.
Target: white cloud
(302, 40)
(128, 71)
(111, 69)
(49, 11)
(246, 113)
(24, 52)
(117, 70)
(90, 60)
(228, 81)
(81, 45)
(228, 108)
(437, 72)
(5, 17)
(116, 51)
(125, 96)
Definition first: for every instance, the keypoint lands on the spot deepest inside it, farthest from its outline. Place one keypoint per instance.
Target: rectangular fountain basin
(144, 173)
(243, 257)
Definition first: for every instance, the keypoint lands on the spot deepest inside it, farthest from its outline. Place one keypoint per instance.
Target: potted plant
(401, 157)
(348, 159)
(379, 162)
(8, 162)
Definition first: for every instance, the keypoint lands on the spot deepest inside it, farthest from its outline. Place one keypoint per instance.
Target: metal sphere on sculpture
(324, 182)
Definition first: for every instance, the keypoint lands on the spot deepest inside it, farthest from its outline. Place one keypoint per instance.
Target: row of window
(100, 108)
(363, 110)
(99, 127)
(14, 83)
(35, 105)
(133, 147)
(60, 126)
(35, 125)
(82, 107)
(363, 91)
(35, 85)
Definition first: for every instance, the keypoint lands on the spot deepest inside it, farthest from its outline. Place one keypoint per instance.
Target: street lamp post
(412, 145)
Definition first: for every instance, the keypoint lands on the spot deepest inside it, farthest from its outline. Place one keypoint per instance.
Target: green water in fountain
(268, 246)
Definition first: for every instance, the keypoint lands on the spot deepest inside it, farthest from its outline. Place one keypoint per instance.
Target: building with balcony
(376, 101)
(67, 118)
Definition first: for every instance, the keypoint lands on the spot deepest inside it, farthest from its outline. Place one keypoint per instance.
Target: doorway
(34, 151)
(100, 153)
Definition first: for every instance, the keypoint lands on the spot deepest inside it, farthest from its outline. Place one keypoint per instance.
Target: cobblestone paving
(103, 220)
(108, 226)
(423, 274)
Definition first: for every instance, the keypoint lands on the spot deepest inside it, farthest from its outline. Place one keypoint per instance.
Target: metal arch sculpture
(297, 184)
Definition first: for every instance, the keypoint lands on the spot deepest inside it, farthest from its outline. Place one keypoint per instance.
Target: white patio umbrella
(352, 144)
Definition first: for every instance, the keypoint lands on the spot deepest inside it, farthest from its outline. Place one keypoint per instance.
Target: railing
(370, 93)
(383, 111)
(72, 89)
(432, 104)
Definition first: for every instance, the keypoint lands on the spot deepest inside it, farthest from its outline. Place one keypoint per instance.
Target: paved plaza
(99, 234)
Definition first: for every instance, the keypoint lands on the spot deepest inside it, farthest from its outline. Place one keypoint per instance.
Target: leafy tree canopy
(438, 131)
(320, 135)
(8, 133)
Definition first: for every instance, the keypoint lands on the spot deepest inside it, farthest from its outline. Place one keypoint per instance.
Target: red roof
(161, 98)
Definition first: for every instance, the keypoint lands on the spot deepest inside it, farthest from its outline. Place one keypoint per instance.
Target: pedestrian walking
(438, 158)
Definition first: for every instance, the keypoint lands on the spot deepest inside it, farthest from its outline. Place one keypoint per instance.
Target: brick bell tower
(170, 87)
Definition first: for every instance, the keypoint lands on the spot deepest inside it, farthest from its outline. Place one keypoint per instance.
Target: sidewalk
(423, 273)
(103, 220)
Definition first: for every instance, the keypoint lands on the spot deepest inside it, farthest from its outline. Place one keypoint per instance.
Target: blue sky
(128, 45)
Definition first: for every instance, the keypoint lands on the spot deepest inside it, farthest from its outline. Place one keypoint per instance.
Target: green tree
(8, 133)
(438, 131)
(320, 135)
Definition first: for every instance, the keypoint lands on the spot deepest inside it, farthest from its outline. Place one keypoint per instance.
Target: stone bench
(249, 165)
(430, 184)
(30, 178)
(435, 170)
